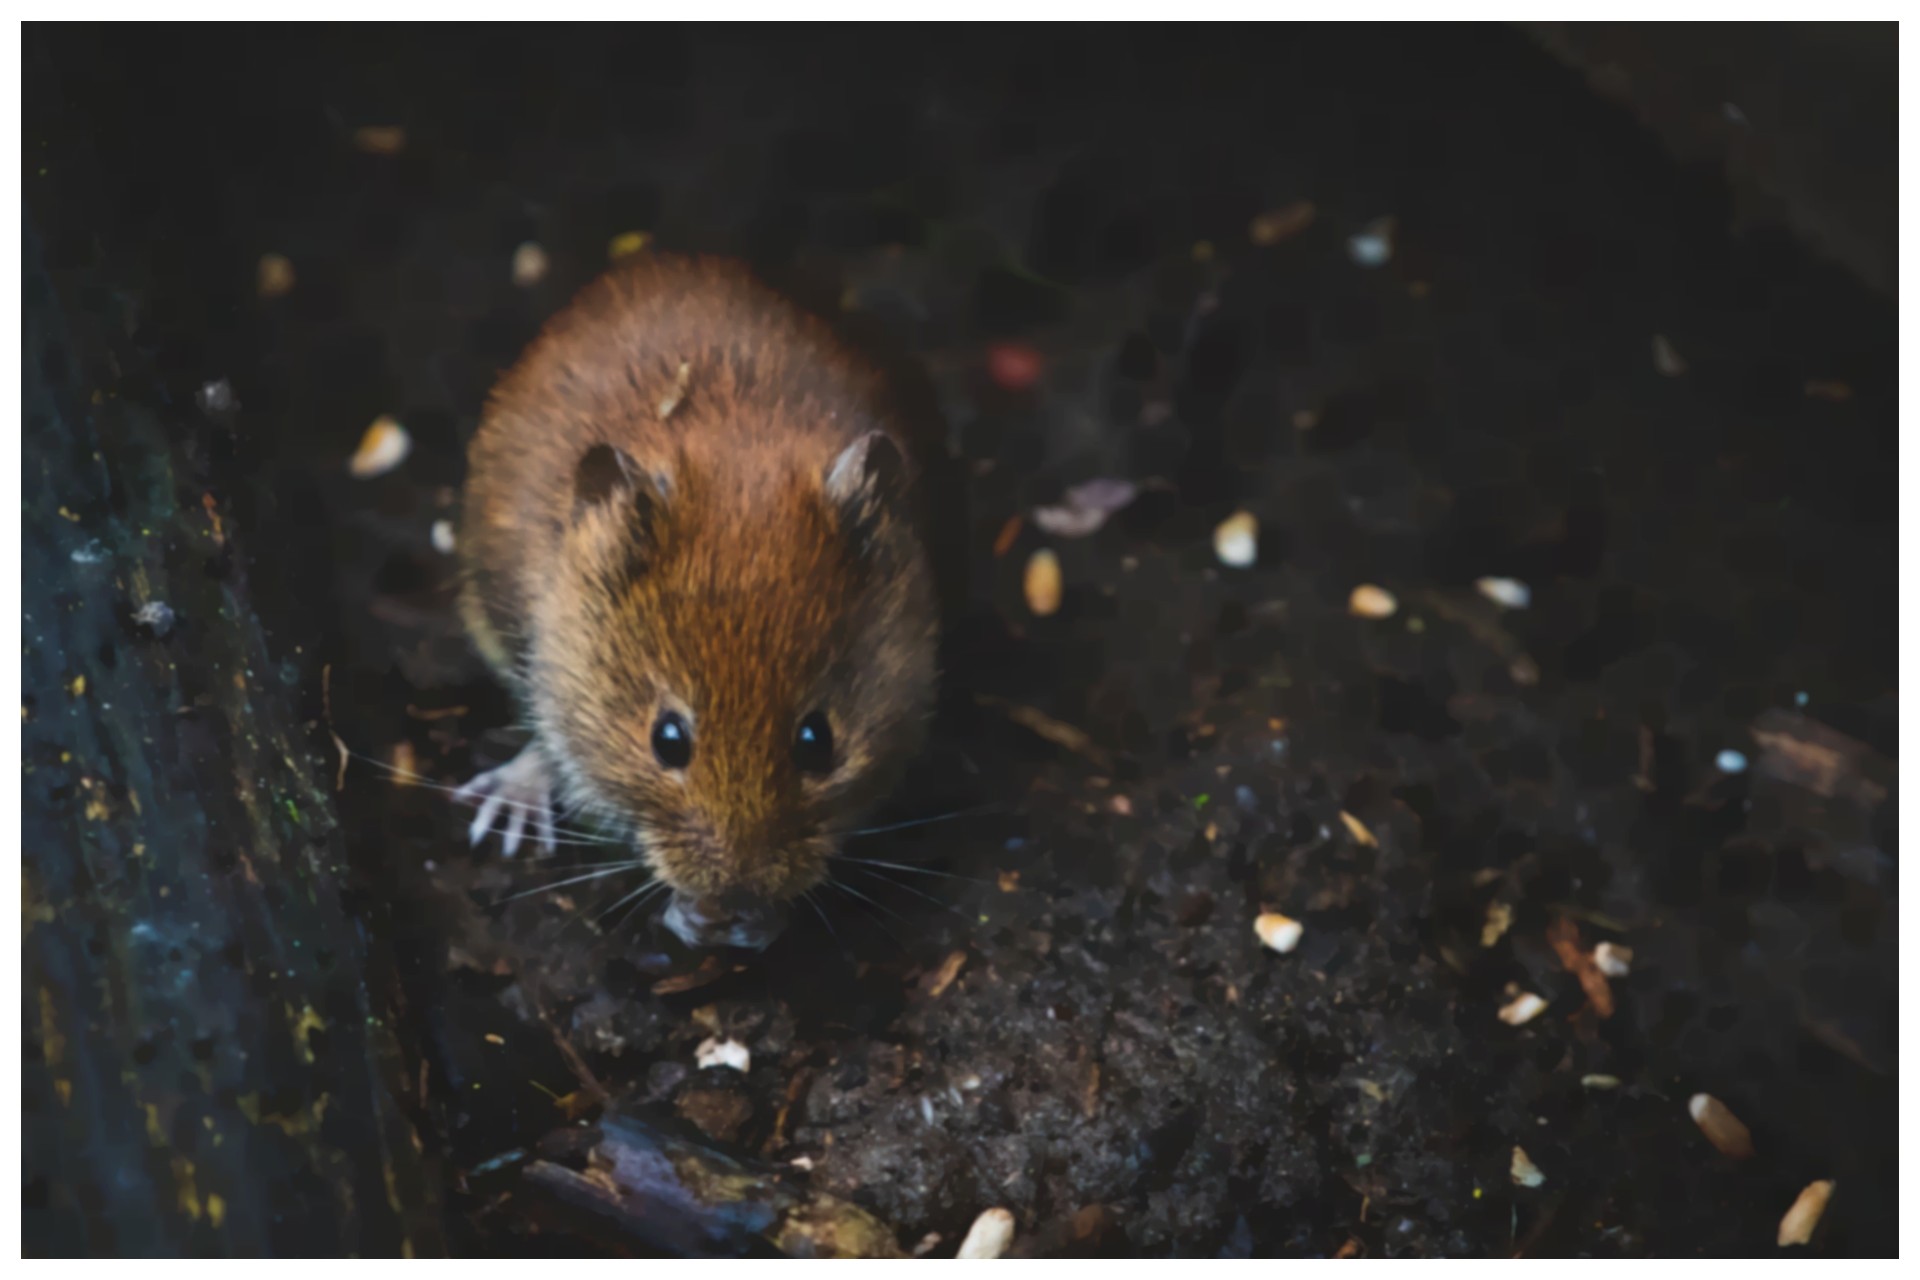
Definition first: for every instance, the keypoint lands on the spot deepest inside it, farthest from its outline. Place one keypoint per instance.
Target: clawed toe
(516, 790)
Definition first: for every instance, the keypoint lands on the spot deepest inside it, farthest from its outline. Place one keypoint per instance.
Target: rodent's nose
(725, 921)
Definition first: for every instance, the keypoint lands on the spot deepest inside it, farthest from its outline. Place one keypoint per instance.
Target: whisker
(916, 822)
(904, 866)
(818, 910)
(944, 906)
(641, 892)
(847, 888)
(612, 869)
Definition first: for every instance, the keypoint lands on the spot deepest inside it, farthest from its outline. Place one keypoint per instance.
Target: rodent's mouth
(725, 920)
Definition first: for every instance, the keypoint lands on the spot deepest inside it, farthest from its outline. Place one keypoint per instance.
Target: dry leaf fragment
(1722, 1127)
(1800, 1220)
(1564, 936)
(1042, 583)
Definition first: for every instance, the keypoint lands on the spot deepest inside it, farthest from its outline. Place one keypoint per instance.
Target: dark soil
(1117, 1060)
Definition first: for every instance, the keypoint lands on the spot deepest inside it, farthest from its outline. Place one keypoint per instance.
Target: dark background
(1702, 548)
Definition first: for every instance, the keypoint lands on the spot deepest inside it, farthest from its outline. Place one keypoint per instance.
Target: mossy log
(206, 1068)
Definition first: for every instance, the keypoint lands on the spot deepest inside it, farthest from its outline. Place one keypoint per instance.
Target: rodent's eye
(672, 740)
(813, 744)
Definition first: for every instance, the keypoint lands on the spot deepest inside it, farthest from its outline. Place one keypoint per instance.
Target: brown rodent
(692, 546)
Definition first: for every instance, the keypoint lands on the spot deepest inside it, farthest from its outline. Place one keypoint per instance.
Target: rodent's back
(764, 385)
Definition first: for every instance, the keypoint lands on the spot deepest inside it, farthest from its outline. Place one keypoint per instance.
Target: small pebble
(989, 1235)
(1522, 1009)
(1042, 583)
(385, 446)
(1730, 761)
(1808, 1208)
(1372, 246)
(1369, 601)
(1277, 932)
(1722, 1127)
(216, 397)
(1523, 1171)
(1613, 960)
(443, 537)
(276, 275)
(715, 1052)
(1508, 593)
(529, 265)
(1237, 540)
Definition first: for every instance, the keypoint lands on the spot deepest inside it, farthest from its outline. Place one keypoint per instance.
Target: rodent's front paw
(519, 789)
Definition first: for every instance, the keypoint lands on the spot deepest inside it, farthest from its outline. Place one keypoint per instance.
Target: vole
(693, 548)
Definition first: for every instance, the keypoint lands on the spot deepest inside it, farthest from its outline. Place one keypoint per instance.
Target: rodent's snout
(729, 920)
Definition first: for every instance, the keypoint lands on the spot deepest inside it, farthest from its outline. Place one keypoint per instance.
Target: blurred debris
(529, 265)
(1563, 935)
(989, 1235)
(384, 446)
(1237, 540)
(1041, 583)
(380, 139)
(1722, 1128)
(1372, 246)
(1797, 1225)
(1275, 225)
(1086, 507)
(1665, 358)
(275, 276)
(1369, 601)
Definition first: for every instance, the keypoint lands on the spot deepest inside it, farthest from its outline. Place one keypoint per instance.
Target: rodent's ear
(866, 480)
(606, 472)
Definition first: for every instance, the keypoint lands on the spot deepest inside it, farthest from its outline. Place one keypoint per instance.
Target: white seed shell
(1277, 932)
(1722, 1127)
(989, 1235)
(1237, 540)
(1523, 1008)
(1369, 601)
(1800, 1220)
(715, 1052)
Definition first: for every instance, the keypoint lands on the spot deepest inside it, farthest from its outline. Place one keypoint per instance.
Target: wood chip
(711, 969)
(1042, 583)
(1058, 732)
(1722, 1127)
(1008, 535)
(944, 976)
(1275, 225)
(989, 1235)
(1369, 601)
(1277, 932)
(1358, 830)
(1796, 1228)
